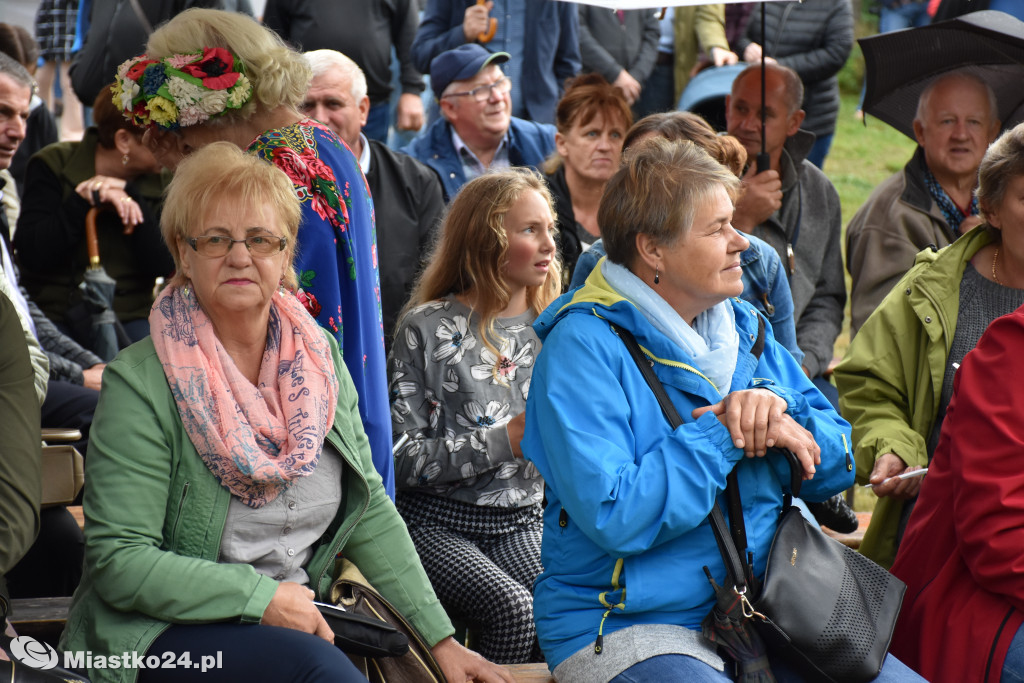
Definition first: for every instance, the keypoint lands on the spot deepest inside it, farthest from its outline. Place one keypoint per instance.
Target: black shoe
(835, 514)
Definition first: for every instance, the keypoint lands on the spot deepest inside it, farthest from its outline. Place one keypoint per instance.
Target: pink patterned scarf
(255, 439)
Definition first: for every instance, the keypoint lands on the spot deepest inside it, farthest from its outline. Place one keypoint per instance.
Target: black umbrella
(899, 65)
(728, 625)
(98, 296)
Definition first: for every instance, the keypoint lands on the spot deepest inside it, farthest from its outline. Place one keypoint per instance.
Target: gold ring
(126, 199)
(97, 185)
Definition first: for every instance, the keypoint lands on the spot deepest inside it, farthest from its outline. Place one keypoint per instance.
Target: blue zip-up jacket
(764, 284)
(625, 528)
(529, 144)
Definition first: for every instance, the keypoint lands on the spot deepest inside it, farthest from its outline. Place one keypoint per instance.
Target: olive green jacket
(696, 30)
(890, 381)
(155, 515)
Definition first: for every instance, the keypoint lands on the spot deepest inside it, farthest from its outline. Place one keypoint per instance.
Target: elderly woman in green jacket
(229, 469)
(897, 377)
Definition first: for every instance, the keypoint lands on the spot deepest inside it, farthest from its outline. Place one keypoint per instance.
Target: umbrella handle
(92, 242)
(491, 30)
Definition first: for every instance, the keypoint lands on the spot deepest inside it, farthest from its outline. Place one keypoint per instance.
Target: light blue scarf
(712, 342)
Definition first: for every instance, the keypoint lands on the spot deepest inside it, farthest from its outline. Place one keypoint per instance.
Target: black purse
(363, 636)
(828, 610)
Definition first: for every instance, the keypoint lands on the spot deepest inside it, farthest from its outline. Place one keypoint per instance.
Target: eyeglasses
(483, 92)
(219, 245)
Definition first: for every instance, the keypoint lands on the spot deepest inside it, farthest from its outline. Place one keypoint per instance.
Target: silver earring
(657, 278)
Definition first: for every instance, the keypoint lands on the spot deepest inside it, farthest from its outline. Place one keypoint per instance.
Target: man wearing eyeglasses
(476, 131)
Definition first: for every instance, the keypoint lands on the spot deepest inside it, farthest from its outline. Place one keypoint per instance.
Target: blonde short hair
(220, 170)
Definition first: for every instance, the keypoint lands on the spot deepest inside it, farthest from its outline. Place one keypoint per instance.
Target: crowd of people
(355, 324)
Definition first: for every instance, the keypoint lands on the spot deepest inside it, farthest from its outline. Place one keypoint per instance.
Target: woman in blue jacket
(623, 593)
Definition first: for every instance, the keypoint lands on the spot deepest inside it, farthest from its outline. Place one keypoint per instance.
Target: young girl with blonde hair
(459, 373)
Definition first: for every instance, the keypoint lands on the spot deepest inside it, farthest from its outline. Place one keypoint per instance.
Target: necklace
(994, 276)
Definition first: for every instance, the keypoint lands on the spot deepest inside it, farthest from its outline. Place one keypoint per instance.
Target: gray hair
(322, 61)
(960, 75)
(1003, 161)
(12, 69)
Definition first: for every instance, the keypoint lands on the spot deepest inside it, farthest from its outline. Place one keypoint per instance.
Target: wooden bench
(530, 673)
(41, 618)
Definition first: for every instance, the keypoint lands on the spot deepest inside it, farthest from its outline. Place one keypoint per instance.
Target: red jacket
(962, 556)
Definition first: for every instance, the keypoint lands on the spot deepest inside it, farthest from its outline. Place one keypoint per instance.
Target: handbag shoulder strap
(726, 545)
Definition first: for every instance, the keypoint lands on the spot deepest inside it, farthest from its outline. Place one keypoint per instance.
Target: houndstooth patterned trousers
(482, 562)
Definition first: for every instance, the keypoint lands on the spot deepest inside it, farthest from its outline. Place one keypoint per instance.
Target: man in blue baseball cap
(477, 131)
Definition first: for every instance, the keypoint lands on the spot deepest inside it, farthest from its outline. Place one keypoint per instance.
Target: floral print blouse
(336, 262)
(453, 396)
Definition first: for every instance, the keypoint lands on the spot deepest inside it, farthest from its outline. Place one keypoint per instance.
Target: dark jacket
(364, 30)
(608, 46)
(814, 38)
(811, 220)
(115, 34)
(551, 52)
(20, 475)
(571, 235)
(529, 144)
(50, 236)
(407, 206)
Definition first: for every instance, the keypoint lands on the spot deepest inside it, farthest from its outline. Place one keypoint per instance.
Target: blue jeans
(658, 93)
(820, 150)
(911, 15)
(250, 652)
(378, 121)
(672, 668)
(1013, 665)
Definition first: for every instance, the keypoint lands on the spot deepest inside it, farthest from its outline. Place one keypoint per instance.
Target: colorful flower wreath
(181, 90)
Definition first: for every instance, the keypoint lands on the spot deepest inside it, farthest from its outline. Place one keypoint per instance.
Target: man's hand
(410, 112)
(292, 607)
(475, 21)
(461, 665)
(722, 57)
(761, 197)
(92, 378)
(630, 86)
(890, 465)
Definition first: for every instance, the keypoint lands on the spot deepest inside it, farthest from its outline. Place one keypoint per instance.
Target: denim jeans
(820, 150)
(911, 15)
(378, 121)
(672, 668)
(1013, 665)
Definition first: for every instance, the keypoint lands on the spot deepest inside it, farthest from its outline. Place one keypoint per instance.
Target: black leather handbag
(827, 609)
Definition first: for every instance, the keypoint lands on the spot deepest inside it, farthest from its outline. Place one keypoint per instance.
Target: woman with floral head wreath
(460, 370)
(229, 469)
(210, 75)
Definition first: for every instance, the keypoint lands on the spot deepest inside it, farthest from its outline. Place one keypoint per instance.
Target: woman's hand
(108, 190)
(752, 416)
(795, 437)
(460, 665)
(292, 607)
(889, 465)
(92, 377)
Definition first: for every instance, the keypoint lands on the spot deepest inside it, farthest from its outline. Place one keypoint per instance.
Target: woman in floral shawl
(210, 75)
(459, 374)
